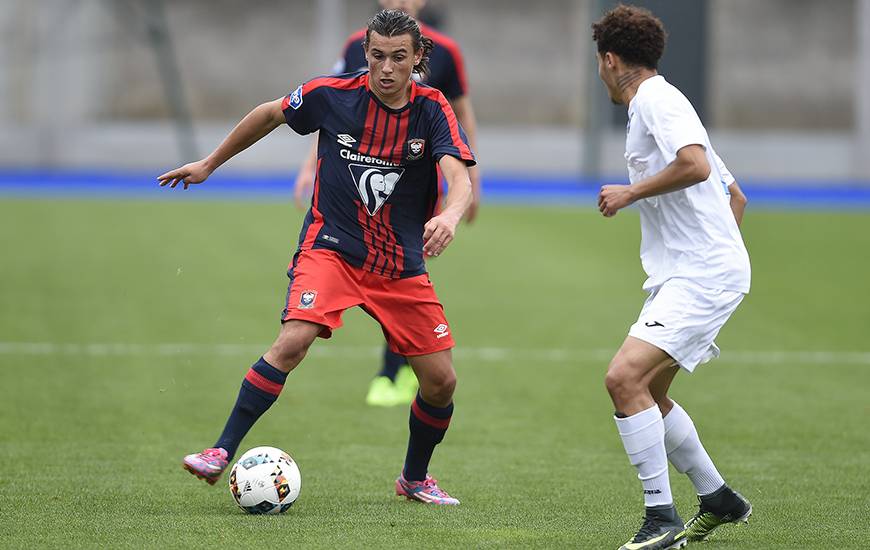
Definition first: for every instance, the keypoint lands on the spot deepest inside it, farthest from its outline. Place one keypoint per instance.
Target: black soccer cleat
(723, 506)
(662, 529)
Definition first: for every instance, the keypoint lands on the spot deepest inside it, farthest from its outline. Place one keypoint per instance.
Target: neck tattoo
(626, 80)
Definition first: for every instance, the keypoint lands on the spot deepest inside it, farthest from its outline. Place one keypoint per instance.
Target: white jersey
(690, 233)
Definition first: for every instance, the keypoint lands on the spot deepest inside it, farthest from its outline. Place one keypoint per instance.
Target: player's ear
(418, 57)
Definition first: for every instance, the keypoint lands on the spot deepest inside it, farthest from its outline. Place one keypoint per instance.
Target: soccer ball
(265, 480)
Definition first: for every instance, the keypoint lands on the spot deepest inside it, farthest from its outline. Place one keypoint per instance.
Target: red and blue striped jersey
(446, 64)
(376, 183)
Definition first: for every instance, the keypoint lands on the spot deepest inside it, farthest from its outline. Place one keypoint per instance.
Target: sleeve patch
(295, 100)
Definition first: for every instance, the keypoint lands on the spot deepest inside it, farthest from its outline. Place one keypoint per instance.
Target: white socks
(643, 436)
(686, 452)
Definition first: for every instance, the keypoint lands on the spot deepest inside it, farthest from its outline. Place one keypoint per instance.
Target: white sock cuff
(641, 431)
(678, 426)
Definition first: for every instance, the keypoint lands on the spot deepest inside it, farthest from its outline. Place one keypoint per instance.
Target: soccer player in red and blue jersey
(395, 383)
(382, 137)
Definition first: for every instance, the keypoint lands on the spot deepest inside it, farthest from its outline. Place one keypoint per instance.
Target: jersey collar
(383, 105)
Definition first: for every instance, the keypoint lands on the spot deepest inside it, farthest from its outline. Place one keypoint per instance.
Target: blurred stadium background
(140, 85)
(129, 315)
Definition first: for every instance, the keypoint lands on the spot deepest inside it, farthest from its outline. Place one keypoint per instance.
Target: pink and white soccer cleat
(424, 491)
(207, 465)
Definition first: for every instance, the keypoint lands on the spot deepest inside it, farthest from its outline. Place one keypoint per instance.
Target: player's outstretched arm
(738, 202)
(690, 167)
(440, 230)
(256, 124)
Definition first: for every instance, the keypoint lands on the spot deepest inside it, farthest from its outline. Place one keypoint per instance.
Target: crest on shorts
(416, 147)
(306, 301)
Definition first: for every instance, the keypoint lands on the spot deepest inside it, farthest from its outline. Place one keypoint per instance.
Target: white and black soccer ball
(265, 480)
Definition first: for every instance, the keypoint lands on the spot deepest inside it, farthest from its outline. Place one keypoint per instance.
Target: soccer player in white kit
(698, 273)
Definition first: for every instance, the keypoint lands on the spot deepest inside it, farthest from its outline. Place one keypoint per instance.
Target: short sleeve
(726, 177)
(673, 123)
(454, 85)
(446, 134)
(354, 56)
(303, 108)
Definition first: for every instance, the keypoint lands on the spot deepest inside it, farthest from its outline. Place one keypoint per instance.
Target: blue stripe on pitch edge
(501, 188)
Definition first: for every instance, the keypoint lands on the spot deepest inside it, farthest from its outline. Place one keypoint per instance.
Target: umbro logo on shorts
(653, 324)
(441, 331)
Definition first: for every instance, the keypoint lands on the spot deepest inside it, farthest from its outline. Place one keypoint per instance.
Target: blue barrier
(497, 188)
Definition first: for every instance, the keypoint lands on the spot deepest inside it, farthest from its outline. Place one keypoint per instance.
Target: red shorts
(323, 286)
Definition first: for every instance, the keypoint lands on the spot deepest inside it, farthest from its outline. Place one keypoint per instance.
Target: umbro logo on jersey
(375, 185)
(416, 147)
(653, 324)
(345, 139)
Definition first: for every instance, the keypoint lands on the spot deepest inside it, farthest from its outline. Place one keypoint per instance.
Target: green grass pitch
(126, 327)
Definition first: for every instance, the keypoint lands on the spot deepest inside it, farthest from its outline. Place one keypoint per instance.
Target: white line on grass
(483, 354)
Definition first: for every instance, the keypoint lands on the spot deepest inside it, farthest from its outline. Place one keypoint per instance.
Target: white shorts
(683, 318)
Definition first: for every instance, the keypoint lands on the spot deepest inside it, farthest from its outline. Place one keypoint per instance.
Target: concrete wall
(783, 64)
(774, 64)
(80, 86)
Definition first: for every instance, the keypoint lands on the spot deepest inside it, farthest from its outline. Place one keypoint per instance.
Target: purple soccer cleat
(207, 465)
(424, 491)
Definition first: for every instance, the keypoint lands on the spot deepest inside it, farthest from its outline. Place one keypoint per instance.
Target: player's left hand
(613, 198)
(189, 174)
(437, 234)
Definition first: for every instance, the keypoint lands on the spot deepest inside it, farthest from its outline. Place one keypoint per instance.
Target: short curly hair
(633, 33)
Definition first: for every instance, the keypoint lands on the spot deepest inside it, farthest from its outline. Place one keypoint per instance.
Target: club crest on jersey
(306, 301)
(415, 148)
(295, 100)
(375, 184)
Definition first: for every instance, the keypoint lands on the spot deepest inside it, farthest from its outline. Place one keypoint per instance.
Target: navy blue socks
(260, 389)
(392, 363)
(428, 425)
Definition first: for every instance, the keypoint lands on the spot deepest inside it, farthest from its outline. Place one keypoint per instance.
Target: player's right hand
(189, 174)
(303, 188)
(438, 233)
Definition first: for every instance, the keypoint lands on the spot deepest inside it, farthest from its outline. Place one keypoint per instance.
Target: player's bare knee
(438, 390)
(621, 381)
(285, 354)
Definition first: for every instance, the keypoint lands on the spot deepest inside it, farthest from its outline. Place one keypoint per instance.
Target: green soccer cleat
(382, 393)
(406, 385)
(723, 506)
(662, 529)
